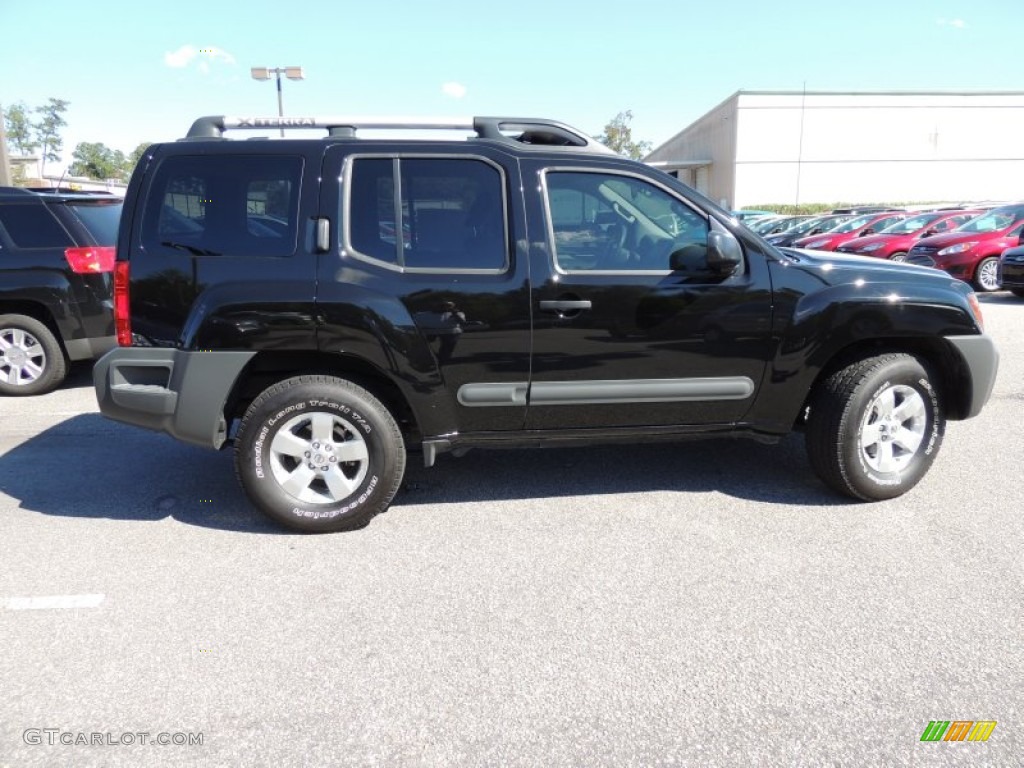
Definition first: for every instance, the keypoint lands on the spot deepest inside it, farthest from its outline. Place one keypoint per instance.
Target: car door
(431, 242)
(631, 326)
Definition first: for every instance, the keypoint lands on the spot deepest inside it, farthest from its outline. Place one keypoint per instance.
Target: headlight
(871, 247)
(818, 243)
(958, 248)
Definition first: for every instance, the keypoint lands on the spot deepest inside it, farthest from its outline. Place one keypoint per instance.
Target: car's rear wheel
(898, 256)
(875, 427)
(31, 359)
(986, 275)
(319, 453)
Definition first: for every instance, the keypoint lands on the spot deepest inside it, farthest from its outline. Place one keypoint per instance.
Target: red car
(859, 226)
(894, 242)
(971, 253)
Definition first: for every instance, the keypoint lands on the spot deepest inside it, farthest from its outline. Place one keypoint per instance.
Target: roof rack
(529, 131)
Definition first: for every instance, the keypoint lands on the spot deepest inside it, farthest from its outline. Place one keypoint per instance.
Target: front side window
(430, 214)
(234, 205)
(602, 222)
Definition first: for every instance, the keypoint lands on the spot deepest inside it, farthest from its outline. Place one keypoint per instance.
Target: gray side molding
(640, 390)
(601, 391)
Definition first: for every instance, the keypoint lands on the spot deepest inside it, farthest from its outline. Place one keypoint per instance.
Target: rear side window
(431, 214)
(233, 205)
(32, 226)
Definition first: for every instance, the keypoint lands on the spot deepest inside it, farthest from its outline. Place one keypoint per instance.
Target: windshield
(994, 221)
(854, 224)
(908, 226)
(100, 218)
(806, 226)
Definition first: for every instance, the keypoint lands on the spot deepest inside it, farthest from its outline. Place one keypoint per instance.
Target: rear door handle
(564, 305)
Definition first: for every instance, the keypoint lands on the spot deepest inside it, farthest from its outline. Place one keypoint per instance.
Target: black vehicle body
(36, 279)
(1011, 270)
(538, 354)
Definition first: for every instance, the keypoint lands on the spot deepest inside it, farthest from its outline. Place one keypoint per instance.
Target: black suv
(328, 303)
(56, 291)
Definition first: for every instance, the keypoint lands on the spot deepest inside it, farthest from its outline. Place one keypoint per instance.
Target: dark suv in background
(56, 291)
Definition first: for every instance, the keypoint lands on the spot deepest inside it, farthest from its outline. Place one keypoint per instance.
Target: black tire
(986, 274)
(859, 451)
(32, 361)
(282, 439)
(898, 256)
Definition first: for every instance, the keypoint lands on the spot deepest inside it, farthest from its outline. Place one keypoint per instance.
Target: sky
(141, 71)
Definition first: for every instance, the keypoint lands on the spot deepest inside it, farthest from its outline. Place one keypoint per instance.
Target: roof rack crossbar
(532, 131)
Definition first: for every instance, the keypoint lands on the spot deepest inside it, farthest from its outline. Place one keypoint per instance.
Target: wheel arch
(947, 369)
(37, 311)
(268, 368)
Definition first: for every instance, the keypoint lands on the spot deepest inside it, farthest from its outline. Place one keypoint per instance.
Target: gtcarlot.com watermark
(54, 736)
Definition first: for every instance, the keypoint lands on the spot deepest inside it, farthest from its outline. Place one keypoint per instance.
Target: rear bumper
(169, 390)
(981, 357)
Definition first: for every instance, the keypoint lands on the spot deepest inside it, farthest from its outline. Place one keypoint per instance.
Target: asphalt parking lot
(706, 604)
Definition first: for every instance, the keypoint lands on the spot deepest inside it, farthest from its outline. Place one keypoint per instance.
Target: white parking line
(53, 601)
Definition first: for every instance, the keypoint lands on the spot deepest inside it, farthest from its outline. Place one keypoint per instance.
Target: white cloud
(181, 57)
(186, 54)
(455, 90)
(958, 23)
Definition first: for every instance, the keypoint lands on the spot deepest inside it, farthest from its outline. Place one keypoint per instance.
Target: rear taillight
(91, 259)
(122, 320)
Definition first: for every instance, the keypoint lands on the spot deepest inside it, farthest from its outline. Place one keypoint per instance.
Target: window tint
(101, 219)
(241, 205)
(607, 222)
(450, 215)
(371, 220)
(32, 226)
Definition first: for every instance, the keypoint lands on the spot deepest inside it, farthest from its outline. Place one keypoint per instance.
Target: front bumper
(169, 390)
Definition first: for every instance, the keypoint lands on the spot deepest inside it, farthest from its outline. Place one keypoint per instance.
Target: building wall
(790, 147)
(708, 148)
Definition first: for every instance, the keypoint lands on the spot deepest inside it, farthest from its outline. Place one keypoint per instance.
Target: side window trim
(552, 247)
(345, 231)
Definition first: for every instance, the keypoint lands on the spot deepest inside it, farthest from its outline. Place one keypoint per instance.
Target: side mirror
(868, 231)
(930, 231)
(725, 254)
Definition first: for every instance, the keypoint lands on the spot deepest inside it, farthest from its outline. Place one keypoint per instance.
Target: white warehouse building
(792, 147)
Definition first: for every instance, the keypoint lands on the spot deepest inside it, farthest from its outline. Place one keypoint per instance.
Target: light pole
(263, 73)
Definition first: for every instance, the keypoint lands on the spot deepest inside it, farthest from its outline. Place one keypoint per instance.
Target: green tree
(48, 129)
(95, 160)
(618, 137)
(19, 129)
(135, 156)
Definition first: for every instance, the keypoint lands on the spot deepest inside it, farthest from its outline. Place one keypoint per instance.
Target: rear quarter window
(100, 219)
(228, 205)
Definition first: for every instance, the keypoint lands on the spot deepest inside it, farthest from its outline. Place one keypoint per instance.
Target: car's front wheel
(986, 275)
(875, 427)
(319, 453)
(31, 359)
(898, 256)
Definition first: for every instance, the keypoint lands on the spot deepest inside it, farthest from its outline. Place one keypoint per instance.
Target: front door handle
(564, 305)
